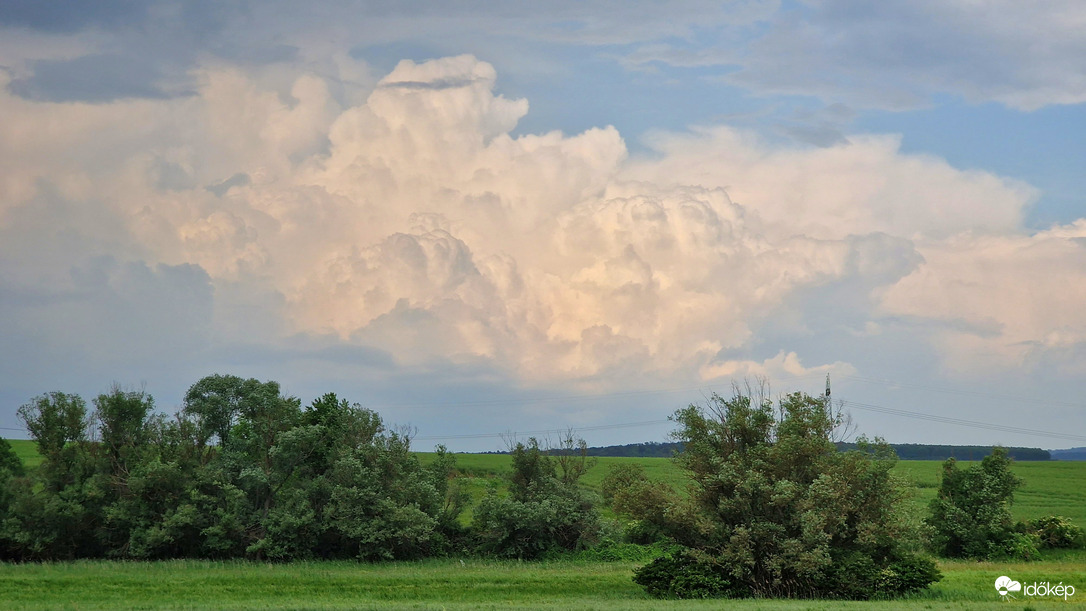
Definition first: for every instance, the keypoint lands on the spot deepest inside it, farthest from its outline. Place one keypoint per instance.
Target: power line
(600, 427)
(960, 422)
(854, 404)
(974, 393)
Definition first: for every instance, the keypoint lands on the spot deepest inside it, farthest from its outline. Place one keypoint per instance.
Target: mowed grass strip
(452, 584)
(318, 585)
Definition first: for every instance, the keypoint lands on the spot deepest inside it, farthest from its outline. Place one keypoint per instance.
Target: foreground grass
(452, 584)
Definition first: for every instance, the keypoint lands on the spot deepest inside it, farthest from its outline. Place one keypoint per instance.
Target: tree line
(904, 451)
(243, 471)
(239, 471)
(924, 451)
(774, 508)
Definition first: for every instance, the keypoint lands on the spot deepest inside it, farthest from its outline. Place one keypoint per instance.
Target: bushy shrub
(1054, 532)
(620, 478)
(651, 505)
(970, 515)
(545, 511)
(907, 574)
(776, 511)
(856, 576)
(687, 574)
(559, 520)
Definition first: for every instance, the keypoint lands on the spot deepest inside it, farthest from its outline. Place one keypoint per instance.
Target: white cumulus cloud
(414, 224)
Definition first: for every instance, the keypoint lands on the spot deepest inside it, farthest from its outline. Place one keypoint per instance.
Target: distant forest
(905, 451)
(1069, 454)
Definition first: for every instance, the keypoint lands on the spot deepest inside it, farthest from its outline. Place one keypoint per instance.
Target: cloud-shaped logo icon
(1005, 585)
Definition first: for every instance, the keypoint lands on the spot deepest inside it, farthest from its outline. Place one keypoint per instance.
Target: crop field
(567, 583)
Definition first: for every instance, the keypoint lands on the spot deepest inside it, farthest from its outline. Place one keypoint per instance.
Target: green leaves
(10, 465)
(54, 419)
(970, 515)
(281, 483)
(775, 509)
(545, 511)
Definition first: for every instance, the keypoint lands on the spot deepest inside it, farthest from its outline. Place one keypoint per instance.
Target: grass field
(1050, 488)
(26, 451)
(452, 584)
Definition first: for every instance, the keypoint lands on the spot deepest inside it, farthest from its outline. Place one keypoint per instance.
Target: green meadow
(1050, 487)
(568, 583)
(26, 451)
(452, 584)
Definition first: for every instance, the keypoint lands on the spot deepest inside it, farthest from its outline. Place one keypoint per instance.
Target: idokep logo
(1005, 585)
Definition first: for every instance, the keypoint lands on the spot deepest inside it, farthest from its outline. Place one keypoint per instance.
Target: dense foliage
(775, 510)
(545, 510)
(1053, 532)
(244, 471)
(652, 505)
(971, 516)
(647, 449)
(241, 471)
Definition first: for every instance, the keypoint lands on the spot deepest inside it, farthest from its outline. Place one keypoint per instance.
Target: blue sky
(487, 219)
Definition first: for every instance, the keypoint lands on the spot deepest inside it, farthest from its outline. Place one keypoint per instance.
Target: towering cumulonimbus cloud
(531, 250)
(418, 224)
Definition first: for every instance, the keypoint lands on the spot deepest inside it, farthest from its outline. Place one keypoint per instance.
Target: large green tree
(970, 514)
(58, 513)
(241, 471)
(775, 510)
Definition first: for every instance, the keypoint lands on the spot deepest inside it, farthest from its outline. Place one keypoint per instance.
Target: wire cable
(973, 393)
(960, 422)
(852, 404)
(600, 427)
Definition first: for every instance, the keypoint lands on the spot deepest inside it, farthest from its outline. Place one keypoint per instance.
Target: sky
(493, 220)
